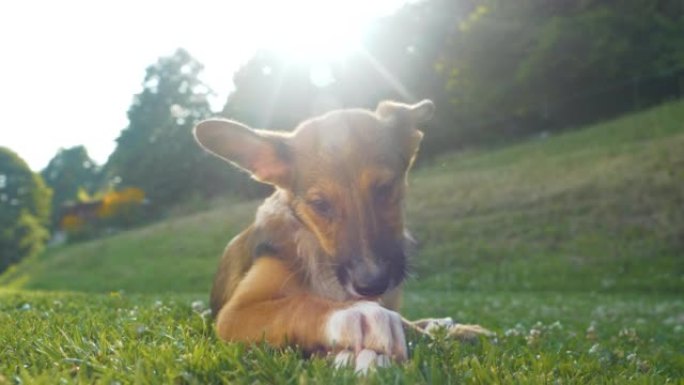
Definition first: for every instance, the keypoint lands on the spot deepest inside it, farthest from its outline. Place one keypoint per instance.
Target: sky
(70, 68)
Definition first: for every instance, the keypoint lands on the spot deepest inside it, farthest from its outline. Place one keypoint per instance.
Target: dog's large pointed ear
(406, 119)
(422, 111)
(265, 155)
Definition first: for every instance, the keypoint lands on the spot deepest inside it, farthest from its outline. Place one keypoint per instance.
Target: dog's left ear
(406, 118)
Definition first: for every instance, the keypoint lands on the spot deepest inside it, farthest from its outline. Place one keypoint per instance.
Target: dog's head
(345, 176)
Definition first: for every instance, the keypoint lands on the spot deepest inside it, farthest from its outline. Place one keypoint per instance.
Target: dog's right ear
(264, 154)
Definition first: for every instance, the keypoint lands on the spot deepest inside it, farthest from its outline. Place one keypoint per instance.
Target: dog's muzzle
(364, 279)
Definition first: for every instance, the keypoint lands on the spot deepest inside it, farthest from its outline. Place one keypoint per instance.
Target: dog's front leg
(270, 304)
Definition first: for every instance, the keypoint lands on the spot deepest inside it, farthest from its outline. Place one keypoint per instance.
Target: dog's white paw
(367, 326)
(365, 360)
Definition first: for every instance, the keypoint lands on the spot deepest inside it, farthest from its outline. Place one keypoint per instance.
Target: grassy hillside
(179, 255)
(596, 209)
(571, 248)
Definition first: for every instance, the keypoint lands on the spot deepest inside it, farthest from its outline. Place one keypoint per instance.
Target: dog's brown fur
(330, 237)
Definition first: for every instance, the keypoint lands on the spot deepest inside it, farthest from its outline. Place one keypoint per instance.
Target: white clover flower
(594, 349)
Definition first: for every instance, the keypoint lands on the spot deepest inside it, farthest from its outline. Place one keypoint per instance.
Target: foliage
(497, 69)
(69, 172)
(277, 91)
(548, 65)
(114, 210)
(72, 223)
(24, 210)
(156, 152)
(121, 203)
(267, 83)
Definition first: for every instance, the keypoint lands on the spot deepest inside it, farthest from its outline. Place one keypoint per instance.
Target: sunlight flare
(311, 30)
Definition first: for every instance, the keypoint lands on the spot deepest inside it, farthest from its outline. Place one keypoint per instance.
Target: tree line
(498, 70)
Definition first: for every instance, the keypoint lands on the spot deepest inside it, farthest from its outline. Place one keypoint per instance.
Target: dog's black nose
(370, 282)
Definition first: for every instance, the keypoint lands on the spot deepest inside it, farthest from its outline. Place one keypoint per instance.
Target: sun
(315, 30)
(318, 33)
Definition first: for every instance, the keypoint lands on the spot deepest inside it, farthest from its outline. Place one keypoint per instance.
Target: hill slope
(596, 209)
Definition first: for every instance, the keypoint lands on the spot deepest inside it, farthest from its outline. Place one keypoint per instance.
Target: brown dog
(323, 263)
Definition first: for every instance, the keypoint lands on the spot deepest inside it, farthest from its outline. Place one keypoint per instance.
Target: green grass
(542, 338)
(178, 255)
(571, 248)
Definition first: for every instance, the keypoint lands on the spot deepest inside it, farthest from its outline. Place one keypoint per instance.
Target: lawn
(570, 247)
(543, 338)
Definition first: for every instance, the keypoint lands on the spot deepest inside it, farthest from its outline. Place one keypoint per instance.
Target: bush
(24, 210)
(122, 208)
(115, 210)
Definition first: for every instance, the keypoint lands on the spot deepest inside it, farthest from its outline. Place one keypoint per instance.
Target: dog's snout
(370, 281)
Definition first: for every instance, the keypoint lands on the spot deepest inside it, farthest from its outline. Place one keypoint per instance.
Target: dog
(322, 265)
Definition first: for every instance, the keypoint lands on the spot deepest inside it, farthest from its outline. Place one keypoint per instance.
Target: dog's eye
(321, 206)
(383, 191)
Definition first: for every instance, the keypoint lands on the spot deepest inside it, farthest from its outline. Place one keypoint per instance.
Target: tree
(276, 92)
(496, 69)
(157, 152)
(70, 171)
(511, 68)
(397, 62)
(24, 209)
